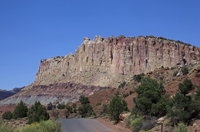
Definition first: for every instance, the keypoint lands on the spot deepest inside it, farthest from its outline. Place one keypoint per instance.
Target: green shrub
(136, 124)
(84, 100)
(98, 104)
(146, 131)
(116, 107)
(20, 110)
(43, 126)
(180, 128)
(55, 113)
(74, 107)
(138, 77)
(5, 128)
(61, 106)
(105, 109)
(125, 95)
(148, 124)
(175, 73)
(162, 66)
(184, 70)
(86, 110)
(37, 113)
(122, 84)
(69, 109)
(7, 115)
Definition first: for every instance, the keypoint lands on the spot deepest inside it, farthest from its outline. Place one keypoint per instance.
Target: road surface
(82, 125)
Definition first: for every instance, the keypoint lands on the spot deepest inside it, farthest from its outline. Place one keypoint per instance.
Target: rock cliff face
(101, 63)
(119, 56)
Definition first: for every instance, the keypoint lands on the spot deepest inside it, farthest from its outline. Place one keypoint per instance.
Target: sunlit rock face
(100, 64)
(118, 55)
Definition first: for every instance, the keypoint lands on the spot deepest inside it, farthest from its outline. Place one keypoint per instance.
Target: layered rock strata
(116, 56)
(105, 63)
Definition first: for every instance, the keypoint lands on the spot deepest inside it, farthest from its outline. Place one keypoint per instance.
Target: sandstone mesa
(102, 63)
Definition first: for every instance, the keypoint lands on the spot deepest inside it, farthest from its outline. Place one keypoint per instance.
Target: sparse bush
(122, 84)
(61, 106)
(69, 109)
(157, 75)
(127, 121)
(20, 110)
(136, 124)
(105, 109)
(146, 131)
(125, 95)
(167, 123)
(98, 104)
(55, 113)
(5, 128)
(175, 73)
(7, 115)
(43, 126)
(74, 108)
(37, 113)
(180, 128)
(184, 70)
(148, 124)
(138, 77)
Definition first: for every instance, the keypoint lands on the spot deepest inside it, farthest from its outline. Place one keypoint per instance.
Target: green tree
(184, 107)
(150, 99)
(37, 113)
(74, 107)
(86, 110)
(7, 115)
(84, 100)
(116, 107)
(61, 106)
(138, 77)
(197, 94)
(20, 110)
(69, 109)
(105, 109)
(184, 70)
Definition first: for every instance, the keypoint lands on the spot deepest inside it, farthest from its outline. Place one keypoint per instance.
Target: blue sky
(31, 30)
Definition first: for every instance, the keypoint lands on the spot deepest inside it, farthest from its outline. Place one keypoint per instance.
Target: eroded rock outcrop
(118, 56)
(101, 63)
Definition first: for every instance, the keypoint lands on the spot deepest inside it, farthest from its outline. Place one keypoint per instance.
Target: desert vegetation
(116, 107)
(36, 119)
(152, 102)
(43, 126)
(86, 110)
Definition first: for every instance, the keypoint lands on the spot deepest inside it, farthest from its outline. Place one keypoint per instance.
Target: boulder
(124, 115)
(195, 70)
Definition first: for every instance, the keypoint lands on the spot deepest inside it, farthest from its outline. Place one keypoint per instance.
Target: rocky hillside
(5, 94)
(103, 63)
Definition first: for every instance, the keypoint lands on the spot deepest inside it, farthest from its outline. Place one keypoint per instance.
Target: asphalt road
(82, 125)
